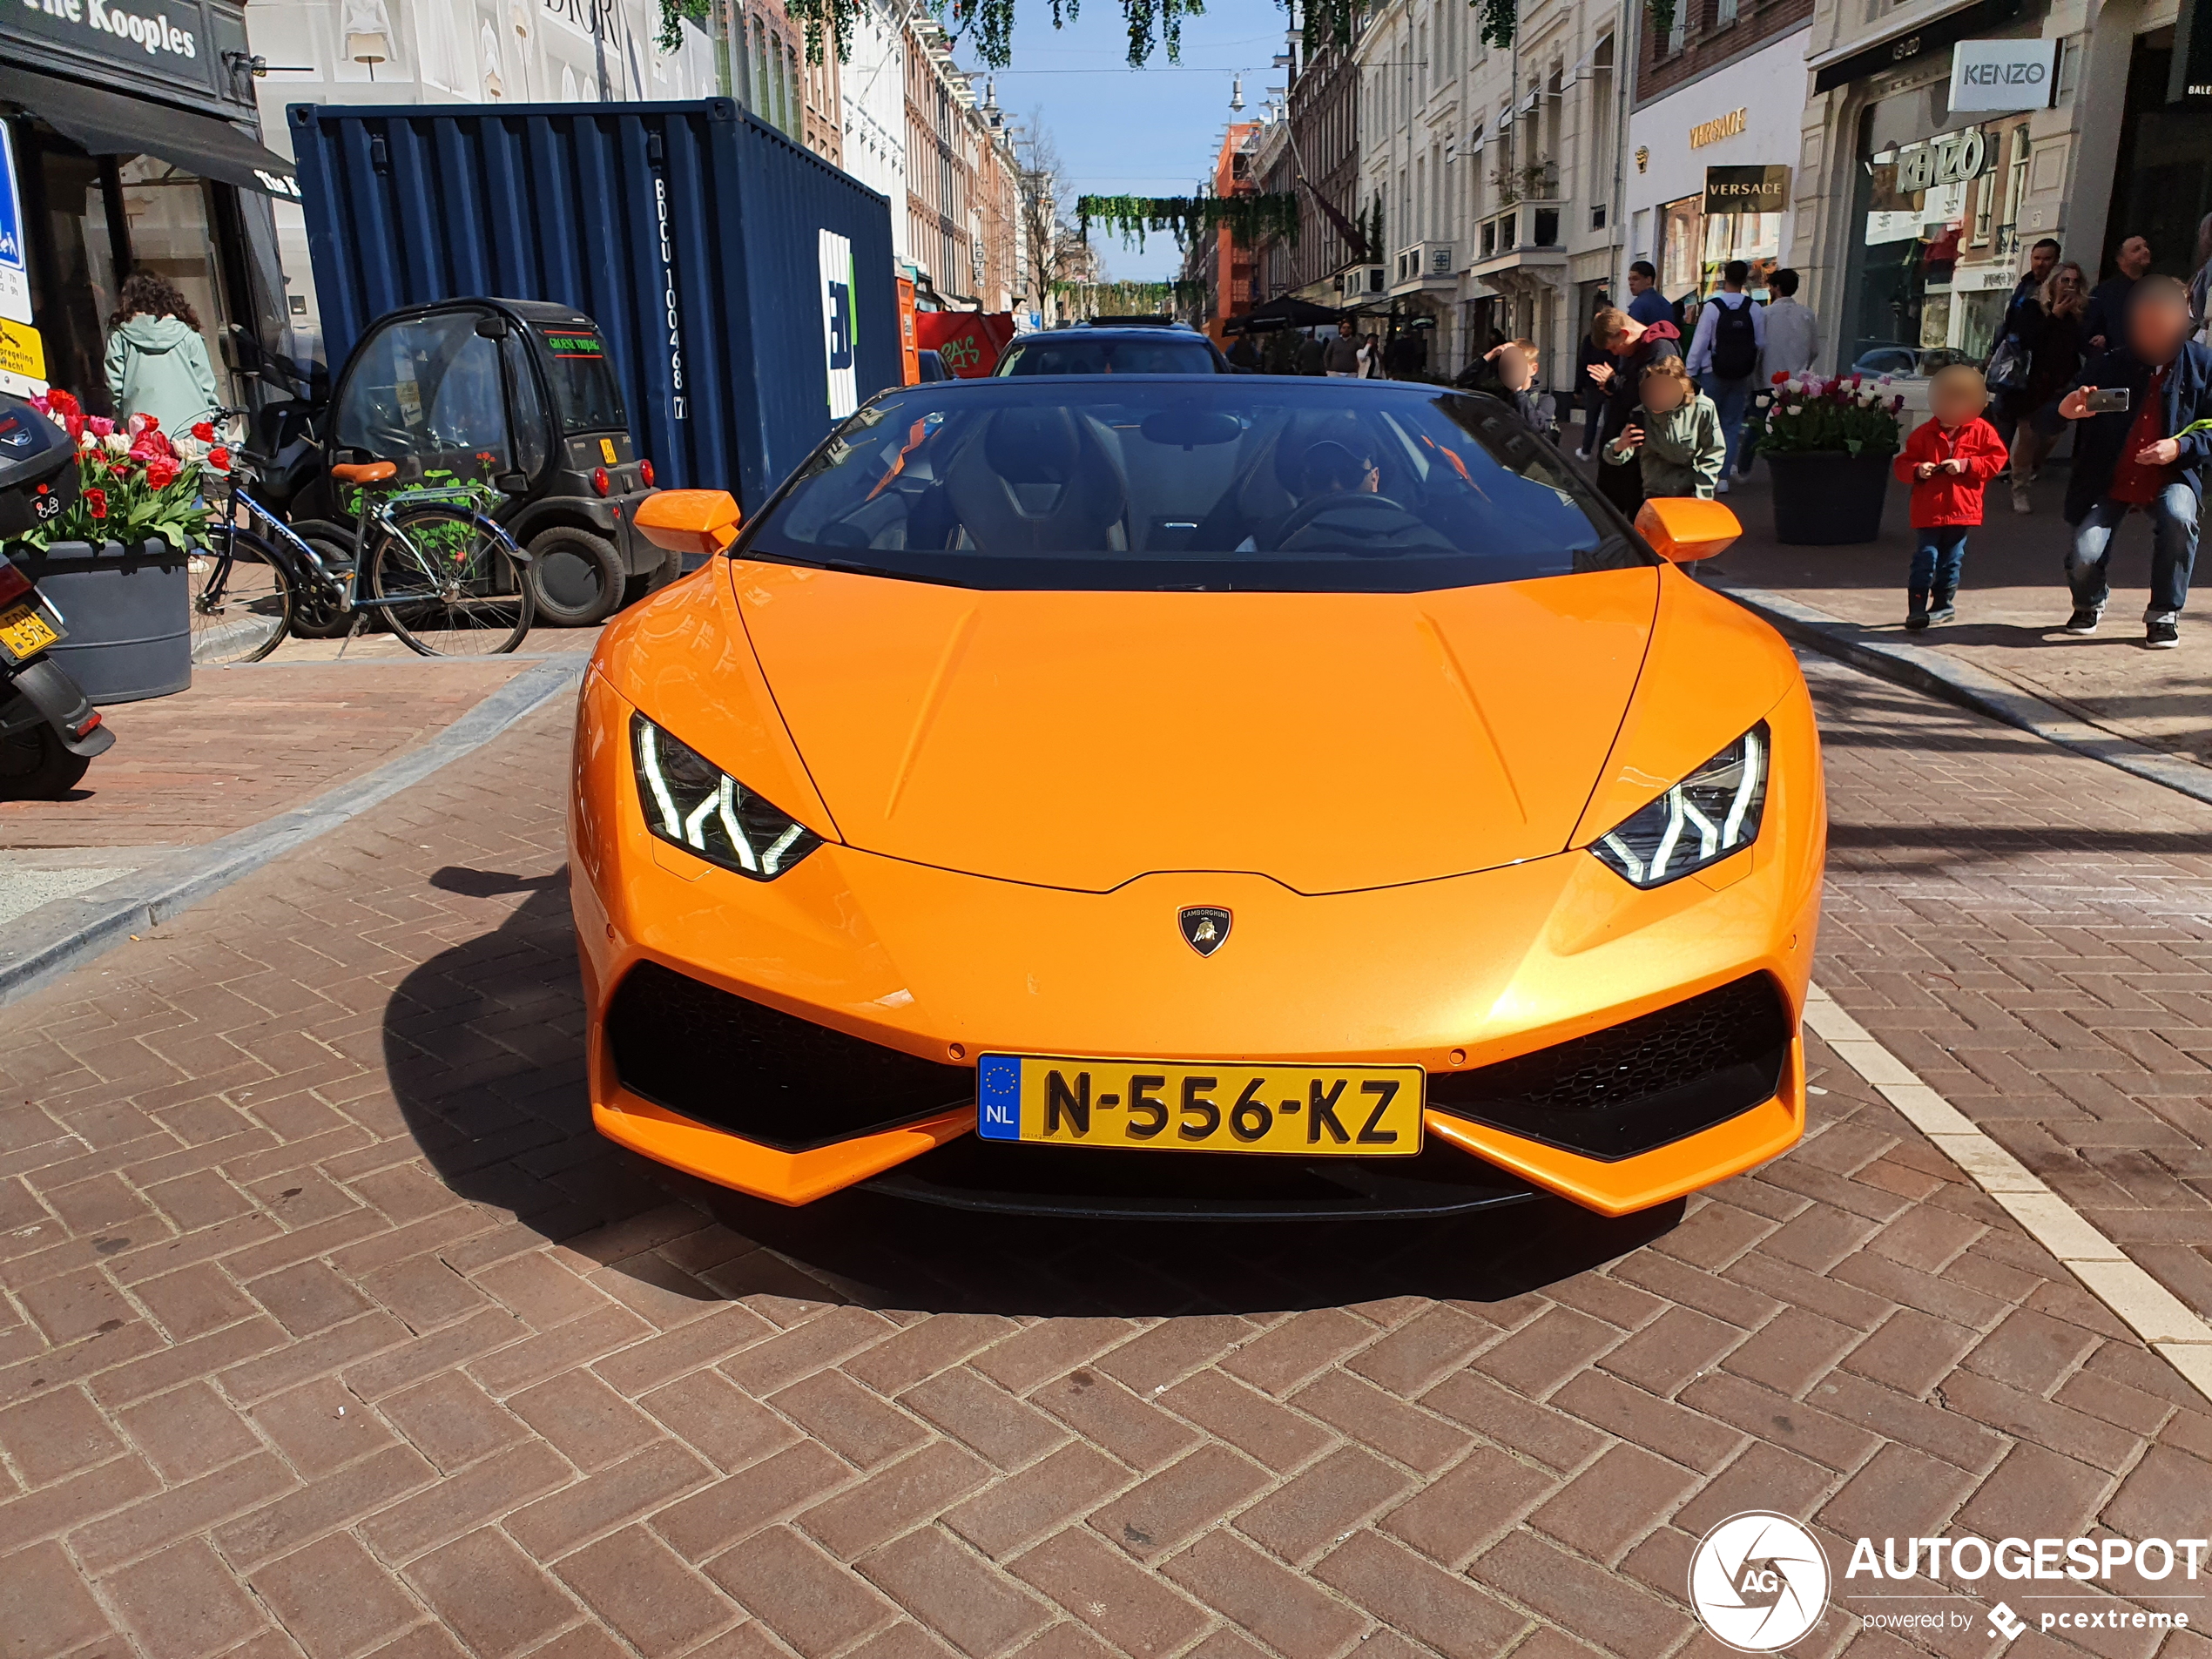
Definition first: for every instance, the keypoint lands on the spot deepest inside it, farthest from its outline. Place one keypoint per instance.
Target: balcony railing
(1422, 260)
(1525, 226)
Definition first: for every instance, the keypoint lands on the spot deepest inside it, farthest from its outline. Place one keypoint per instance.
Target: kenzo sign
(2003, 74)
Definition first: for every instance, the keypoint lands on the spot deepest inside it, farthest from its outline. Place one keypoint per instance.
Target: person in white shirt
(1725, 357)
(1792, 330)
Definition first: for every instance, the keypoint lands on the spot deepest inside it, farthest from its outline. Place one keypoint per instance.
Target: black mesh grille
(784, 1082)
(1639, 1084)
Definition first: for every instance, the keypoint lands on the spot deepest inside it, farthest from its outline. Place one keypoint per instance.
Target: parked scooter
(49, 730)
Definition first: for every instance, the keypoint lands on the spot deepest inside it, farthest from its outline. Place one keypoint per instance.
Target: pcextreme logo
(1759, 1582)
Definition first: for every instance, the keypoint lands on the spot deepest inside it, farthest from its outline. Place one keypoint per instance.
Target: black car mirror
(491, 327)
(513, 483)
(1186, 428)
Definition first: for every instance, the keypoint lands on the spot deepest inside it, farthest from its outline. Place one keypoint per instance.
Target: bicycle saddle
(363, 472)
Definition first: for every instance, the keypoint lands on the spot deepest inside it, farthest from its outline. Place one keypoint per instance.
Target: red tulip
(1777, 377)
(62, 403)
(204, 430)
(161, 472)
(220, 458)
(96, 499)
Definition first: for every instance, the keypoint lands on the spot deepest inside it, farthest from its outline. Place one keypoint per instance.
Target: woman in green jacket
(156, 363)
(1676, 439)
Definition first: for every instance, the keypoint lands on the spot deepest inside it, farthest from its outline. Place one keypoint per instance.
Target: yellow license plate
(25, 632)
(1161, 1105)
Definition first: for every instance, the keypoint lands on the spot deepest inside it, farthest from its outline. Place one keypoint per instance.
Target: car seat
(1038, 482)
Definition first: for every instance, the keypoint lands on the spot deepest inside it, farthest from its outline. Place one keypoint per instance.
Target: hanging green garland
(1132, 298)
(1188, 218)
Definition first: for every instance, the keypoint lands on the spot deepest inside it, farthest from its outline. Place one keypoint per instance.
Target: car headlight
(1707, 815)
(691, 803)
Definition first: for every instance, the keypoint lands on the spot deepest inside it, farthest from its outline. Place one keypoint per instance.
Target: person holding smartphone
(2145, 444)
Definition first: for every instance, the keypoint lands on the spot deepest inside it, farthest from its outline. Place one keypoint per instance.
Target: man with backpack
(1724, 359)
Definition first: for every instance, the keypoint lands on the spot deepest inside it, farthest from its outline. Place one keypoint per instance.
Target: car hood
(1330, 741)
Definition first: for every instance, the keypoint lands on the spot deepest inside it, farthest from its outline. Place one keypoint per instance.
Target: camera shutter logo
(1759, 1582)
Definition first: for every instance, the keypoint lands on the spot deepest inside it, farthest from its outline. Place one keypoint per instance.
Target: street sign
(1989, 75)
(23, 360)
(15, 256)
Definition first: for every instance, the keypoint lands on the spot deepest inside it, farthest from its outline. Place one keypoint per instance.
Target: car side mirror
(491, 327)
(1682, 530)
(513, 483)
(689, 521)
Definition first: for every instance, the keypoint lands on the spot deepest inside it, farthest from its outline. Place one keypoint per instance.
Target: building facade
(1496, 172)
(964, 220)
(1712, 142)
(1919, 189)
(1311, 148)
(872, 86)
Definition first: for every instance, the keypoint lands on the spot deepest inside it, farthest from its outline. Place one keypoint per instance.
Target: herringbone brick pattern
(331, 1330)
(2032, 934)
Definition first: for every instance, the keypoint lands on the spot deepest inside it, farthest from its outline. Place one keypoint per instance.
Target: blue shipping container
(745, 287)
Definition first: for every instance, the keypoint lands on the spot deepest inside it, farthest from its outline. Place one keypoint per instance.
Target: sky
(1153, 131)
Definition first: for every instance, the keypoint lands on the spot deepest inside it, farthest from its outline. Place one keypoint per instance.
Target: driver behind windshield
(1329, 468)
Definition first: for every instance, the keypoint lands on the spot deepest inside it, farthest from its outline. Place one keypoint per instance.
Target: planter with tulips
(1828, 443)
(117, 561)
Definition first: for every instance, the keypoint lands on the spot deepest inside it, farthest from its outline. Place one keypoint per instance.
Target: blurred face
(1344, 330)
(1638, 282)
(2134, 256)
(2041, 260)
(2157, 327)
(1662, 393)
(1957, 400)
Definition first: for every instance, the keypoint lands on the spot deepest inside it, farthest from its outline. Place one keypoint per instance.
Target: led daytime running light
(1714, 812)
(691, 803)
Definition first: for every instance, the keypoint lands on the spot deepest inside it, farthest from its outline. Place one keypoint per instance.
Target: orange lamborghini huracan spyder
(1225, 797)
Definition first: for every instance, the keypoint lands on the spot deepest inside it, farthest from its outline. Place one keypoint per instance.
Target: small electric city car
(1225, 797)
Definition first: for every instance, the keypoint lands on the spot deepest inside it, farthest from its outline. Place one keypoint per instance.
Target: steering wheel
(1359, 503)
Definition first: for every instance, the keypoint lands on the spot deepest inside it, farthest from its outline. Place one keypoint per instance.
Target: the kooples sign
(166, 39)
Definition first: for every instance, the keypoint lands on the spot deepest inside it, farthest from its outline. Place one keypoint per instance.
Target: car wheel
(578, 577)
(35, 766)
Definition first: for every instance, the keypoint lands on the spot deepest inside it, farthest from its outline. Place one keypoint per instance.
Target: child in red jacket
(1947, 461)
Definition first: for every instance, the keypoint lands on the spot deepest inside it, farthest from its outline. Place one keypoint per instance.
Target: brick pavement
(2010, 609)
(249, 741)
(331, 1330)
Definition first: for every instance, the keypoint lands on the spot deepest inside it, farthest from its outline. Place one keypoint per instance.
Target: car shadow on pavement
(483, 1044)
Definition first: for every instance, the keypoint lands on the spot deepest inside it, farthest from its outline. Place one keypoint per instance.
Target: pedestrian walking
(2009, 367)
(1312, 355)
(1792, 330)
(1949, 460)
(2149, 455)
(2109, 300)
(157, 362)
(1646, 304)
(1340, 357)
(1675, 440)
(1725, 357)
(1632, 346)
(2057, 358)
(1369, 359)
(1243, 356)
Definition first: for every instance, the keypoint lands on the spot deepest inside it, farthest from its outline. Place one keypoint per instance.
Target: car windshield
(583, 381)
(1249, 483)
(1076, 353)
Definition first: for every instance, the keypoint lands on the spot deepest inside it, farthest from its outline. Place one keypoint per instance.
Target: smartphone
(2109, 400)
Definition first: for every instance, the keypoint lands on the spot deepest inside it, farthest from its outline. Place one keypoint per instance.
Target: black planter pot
(128, 610)
(1829, 499)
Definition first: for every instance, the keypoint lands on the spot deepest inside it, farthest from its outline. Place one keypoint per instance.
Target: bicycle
(441, 575)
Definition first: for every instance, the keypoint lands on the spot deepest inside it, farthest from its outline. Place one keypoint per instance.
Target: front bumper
(856, 954)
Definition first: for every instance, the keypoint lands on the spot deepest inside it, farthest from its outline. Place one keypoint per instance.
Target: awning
(1907, 43)
(110, 123)
(1291, 312)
